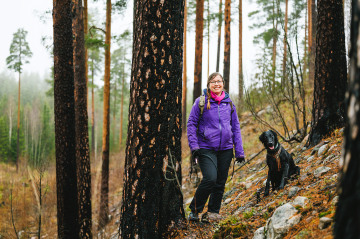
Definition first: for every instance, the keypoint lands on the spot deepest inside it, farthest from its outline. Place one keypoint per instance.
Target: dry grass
(25, 209)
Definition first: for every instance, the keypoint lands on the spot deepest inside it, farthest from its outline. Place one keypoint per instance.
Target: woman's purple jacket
(219, 129)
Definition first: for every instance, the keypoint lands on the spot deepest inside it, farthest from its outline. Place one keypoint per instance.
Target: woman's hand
(240, 159)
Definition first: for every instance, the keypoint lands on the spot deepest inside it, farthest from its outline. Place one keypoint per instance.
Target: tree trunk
(104, 198)
(152, 182)
(184, 90)
(241, 76)
(208, 37)
(92, 113)
(199, 22)
(122, 105)
(86, 27)
(312, 35)
(330, 71)
(285, 44)
(64, 109)
(81, 123)
(18, 130)
(305, 47)
(275, 23)
(219, 38)
(347, 213)
(226, 74)
(113, 131)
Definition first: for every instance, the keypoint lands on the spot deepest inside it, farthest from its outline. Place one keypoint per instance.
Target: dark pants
(213, 182)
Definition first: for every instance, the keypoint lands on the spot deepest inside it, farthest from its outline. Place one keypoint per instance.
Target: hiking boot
(193, 217)
(211, 217)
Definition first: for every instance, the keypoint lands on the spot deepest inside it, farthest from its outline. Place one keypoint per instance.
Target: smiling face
(216, 85)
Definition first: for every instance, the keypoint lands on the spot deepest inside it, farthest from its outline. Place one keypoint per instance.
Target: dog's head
(269, 139)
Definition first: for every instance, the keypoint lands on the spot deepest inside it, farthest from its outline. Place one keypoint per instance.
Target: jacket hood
(226, 98)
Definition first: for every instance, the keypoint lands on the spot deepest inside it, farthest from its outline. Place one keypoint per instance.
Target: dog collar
(276, 156)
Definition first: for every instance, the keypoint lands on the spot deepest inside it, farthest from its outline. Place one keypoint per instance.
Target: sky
(24, 14)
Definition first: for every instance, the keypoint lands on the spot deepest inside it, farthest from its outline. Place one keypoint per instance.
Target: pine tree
(19, 52)
(330, 71)
(3, 140)
(152, 198)
(227, 16)
(64, 104)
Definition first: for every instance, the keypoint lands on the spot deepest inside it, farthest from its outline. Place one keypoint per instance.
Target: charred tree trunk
(219, 38)
(64, 109)
(285, 44)
(86, 27)
(330, 71)
(312, 41)
(152, 183)
(81, 123)
(198, 48)
(347, 218)
(241, 76)
(184, 90)
(227, 17)
(104, 198)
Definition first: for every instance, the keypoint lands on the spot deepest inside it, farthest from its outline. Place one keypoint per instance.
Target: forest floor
(243, 214)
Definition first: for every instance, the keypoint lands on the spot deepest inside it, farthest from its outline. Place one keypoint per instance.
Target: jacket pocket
(227, 134)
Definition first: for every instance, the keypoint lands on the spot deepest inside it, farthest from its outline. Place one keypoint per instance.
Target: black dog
(280, 162)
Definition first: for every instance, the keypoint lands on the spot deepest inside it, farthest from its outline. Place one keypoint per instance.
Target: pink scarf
(217, 98)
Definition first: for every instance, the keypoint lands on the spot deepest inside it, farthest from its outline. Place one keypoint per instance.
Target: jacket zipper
(219, 125)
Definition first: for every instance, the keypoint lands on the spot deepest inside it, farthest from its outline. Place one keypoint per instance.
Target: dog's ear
(261, 138)
(275, 135)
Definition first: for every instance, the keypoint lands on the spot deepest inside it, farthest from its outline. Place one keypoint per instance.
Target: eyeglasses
(216, 82)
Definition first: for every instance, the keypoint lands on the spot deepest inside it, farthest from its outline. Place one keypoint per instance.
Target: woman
(212, 137)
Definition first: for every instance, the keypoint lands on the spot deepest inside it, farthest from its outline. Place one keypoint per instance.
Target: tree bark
(86, 27)
(152, 182)
(104, 198)
(208, 37)
(275, 23)
(226, 74)
(184, 90)
(285, 44)
(199, 22)
(114, 114)
(64, 109)
(305, 46)
(219, 38)
(241, 76)
(330, 71)
(312, 35)
(347, 217)
(81, 123)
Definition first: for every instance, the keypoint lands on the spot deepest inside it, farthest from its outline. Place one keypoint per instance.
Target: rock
(282, 219)
(306, 157)
(324, 222)
(310, 159)
(110, 217)
(334, 177)
(248, 185)
(297, 160)
(229, 193)
(293, 191)
(300, 201)
(259, 233)
(238, 196)
(269, 109)
(303, 149)
(302, 144)
(308, 220)
(183, 187)
(307, 168)
(322, 150)
(328, 159)
(303, 177)
(264, 183)
(315, 149)
(261, 112)
(335, 200)
(342, 130)
(251, 177)
(332, 148)
(242, 184)
(227, 201)
(314, 212)
(321, 170)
